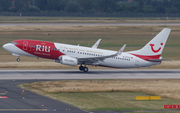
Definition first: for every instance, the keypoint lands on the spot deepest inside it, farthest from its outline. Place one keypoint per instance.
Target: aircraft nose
(6, 46)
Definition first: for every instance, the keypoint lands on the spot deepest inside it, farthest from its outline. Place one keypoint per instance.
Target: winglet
(121, 50)
(96, 44)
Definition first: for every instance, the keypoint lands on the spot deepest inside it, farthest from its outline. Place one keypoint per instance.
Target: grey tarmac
(117, 24)
(92, 74)
(29, 102)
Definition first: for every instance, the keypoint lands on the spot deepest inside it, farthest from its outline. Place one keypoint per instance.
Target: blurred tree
(61, 5)
(53, 4)
(160, 9)
(132, 8)
(22, 10)
(33, 9)
(176, 5)
(86, 5)
(141, 5)
(5, 5)
(107, 5)
(104, 6)
(147, 2)
(173, 10)
(72, 6)
(154, 4)
(41, 4)
(18, 4)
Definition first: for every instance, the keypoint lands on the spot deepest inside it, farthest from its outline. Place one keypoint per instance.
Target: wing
(93, 60)
(96, 44)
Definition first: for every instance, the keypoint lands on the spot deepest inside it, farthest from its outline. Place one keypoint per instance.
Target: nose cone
(6, 46)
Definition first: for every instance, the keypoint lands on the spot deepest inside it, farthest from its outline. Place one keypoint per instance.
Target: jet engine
(66, 60)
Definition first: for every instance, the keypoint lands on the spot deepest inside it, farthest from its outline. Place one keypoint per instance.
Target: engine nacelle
(66, 60)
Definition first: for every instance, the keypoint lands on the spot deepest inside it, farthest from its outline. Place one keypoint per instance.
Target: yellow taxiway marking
(148, 97)
(2, 93)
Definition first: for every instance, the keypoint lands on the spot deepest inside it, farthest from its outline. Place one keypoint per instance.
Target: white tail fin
(156, 45)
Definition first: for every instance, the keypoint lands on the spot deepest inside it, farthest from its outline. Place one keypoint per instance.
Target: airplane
(74, 55)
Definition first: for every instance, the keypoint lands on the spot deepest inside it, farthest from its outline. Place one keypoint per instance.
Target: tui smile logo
(152, 48)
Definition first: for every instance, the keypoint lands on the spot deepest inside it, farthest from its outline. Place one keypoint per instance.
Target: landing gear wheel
(85, 69)
(18, 59)
(81, 68)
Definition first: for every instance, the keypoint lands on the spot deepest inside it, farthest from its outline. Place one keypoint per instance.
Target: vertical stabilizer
(155, 46)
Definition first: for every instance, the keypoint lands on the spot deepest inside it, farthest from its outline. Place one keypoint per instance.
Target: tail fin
(155, 46)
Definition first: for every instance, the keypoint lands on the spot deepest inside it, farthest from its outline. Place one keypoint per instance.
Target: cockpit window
(13, 43)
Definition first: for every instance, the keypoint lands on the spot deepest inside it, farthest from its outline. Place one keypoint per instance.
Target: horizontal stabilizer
(159, 60)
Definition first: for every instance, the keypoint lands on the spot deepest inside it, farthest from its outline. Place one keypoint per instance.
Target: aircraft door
(25, 45)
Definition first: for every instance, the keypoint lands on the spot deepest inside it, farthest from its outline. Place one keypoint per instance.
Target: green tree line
(91, 6)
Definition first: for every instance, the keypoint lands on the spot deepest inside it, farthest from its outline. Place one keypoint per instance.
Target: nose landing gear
(81, 68)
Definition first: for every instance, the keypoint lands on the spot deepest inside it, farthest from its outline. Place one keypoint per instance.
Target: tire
(81, 68)
(18, 59)
(85, 69)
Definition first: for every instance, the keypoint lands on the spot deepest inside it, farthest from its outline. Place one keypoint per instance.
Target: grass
(97, 95)
(24, 19)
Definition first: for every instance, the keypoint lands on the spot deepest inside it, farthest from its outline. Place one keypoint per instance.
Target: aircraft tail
(154, 48)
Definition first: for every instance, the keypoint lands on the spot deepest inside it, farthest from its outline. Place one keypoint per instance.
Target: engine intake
(66, 60)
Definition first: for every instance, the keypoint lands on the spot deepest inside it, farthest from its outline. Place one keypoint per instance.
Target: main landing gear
(81, 68)
(18, 59)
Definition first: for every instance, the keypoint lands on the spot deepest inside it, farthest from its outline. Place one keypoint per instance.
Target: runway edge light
(148, 97)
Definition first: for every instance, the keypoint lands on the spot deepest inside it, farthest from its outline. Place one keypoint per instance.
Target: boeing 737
(74, 55)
